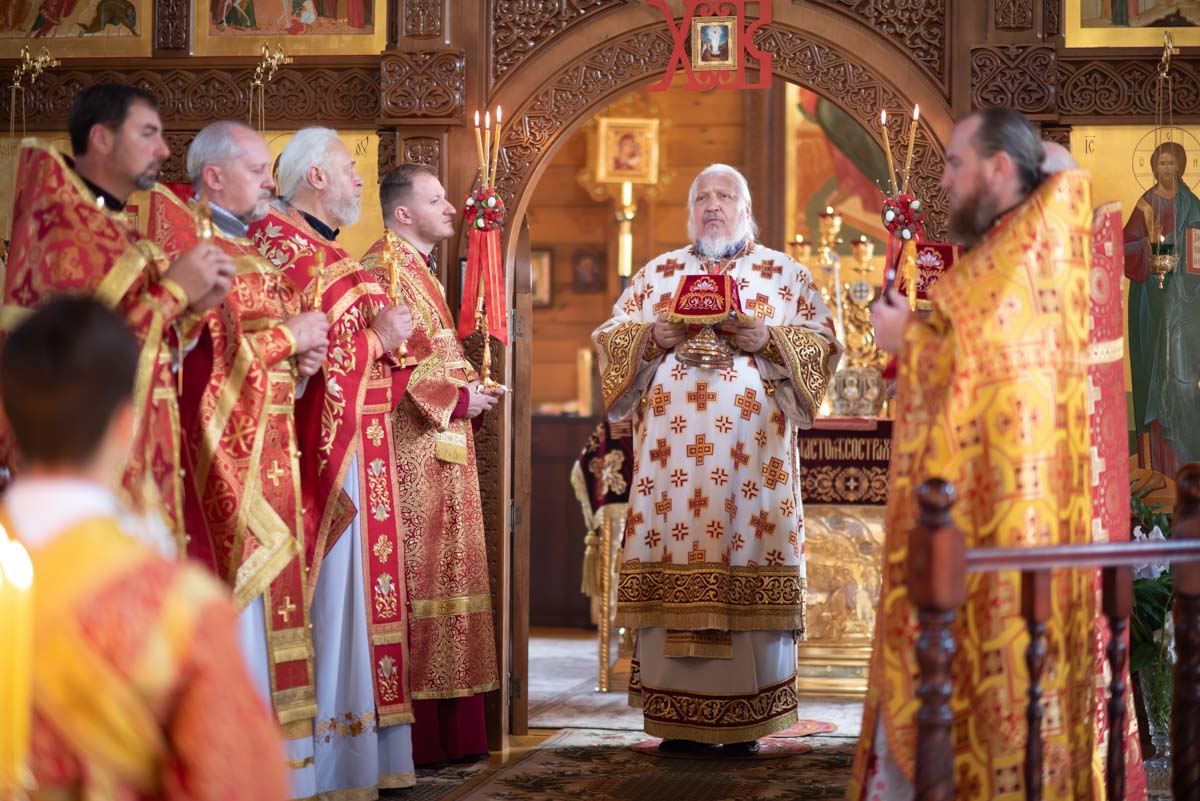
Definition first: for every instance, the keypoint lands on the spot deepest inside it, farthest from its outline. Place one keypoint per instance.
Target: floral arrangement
(903, 216)
(1151, 635)
(483, 209)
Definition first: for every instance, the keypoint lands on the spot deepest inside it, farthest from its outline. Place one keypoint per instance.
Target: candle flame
(883, 117)
(476, 119)
(916, 112)
(16, 564)
(497, 116)
(487, 119)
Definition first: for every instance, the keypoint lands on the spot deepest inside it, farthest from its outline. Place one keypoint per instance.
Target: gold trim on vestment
(397, 781)
(711, 596)
(450, 446)
(448, 607)
(806, 357)
(487, 687)
(396, 719)
(297, 764)
(350, 794)
(352, 294)
(1104, 352)
(705, 644)
(623, 347)
(299, 730)
(719, 718)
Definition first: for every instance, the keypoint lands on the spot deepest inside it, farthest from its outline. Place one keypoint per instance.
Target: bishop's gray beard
(715, 247)
(347, 211)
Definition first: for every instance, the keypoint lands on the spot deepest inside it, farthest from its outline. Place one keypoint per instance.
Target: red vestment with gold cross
(345, 412)
(64, 242)
(450, 631)
(243, 504)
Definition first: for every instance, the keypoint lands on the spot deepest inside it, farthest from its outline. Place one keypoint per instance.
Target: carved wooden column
(937, 583)
(1185, 709)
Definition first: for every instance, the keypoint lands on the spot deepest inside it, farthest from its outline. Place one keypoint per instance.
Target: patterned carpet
(599, 765)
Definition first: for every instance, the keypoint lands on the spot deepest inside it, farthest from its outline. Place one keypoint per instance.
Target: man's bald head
(1057, 159)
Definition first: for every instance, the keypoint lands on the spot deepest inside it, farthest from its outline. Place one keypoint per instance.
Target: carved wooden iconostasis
(413, 71)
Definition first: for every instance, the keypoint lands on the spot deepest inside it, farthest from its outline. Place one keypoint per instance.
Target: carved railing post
(1035, 607)
(1117, 592)
(1185, 711)
(936, 575)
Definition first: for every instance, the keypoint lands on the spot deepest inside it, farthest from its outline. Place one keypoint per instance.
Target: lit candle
(626, 193)
(487, 145)
(479, 150)
(495, 149)
(912, 139)
(887, 149)
(16, 664)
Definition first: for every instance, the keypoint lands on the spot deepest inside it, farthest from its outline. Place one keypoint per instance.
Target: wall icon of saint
(714, 43)
(1164, 326)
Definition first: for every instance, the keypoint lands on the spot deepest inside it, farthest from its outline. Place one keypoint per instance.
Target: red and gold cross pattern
(701, 397)
(661, 453)
(761, 306)
(698, 502)
(700, 448)
(767, 268)
(762, 525)
(779, 420)
(659, 401)
(737, 454)
(773, 473)
(669, 267)
(664, 303)
(747, 403)
(663, 505)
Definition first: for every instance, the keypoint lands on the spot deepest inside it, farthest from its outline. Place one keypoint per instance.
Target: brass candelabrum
(830, 285)
(389, 257)
(264, 73)
(486, 384)
(29, 69)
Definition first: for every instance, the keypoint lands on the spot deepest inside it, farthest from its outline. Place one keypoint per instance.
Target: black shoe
(748, 748)
(682, 747)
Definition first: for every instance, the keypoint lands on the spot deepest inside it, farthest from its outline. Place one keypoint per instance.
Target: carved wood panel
(192, 94)
(1013, 15)
(1116, 87)
(422, 19)
(387, 150)
(174, 169)
(426, 84)
(1020, 76)
(645, 52)
(423, 150)
(917, 27)
(520, 27)
(1057, 133)
(1052, 12)
(172, 25)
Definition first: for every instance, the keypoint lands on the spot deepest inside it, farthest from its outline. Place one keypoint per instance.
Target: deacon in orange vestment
(70, 235)
(243, 506)
(348, 475)
(138, 691)
(992, 396)
(450, 629)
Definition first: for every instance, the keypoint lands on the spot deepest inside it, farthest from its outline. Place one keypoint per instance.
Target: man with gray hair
(252, 348)
(354, 543)
(713, 572)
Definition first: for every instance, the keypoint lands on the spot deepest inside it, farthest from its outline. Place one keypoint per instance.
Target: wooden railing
(938, 564)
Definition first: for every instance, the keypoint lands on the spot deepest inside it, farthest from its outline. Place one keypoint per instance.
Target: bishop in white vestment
(712, 571)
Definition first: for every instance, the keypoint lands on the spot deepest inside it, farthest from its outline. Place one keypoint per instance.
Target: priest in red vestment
(450, 630)
(348, 475)
(138, 689)
(239, 386)
(70, 235)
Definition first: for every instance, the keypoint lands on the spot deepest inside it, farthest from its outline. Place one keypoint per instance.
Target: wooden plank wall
(698, 128)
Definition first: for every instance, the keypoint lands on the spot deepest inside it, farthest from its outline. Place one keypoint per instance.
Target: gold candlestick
(394, 288)
(318, 273)
(486, 384)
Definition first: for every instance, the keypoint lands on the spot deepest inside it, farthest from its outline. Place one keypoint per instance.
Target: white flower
(1149, 570)
(907, 234)
(889, 215)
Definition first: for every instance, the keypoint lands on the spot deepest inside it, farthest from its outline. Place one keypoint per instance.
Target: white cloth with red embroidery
(716, 475)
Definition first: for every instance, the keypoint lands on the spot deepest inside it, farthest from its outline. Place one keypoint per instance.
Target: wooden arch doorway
(560, 89)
